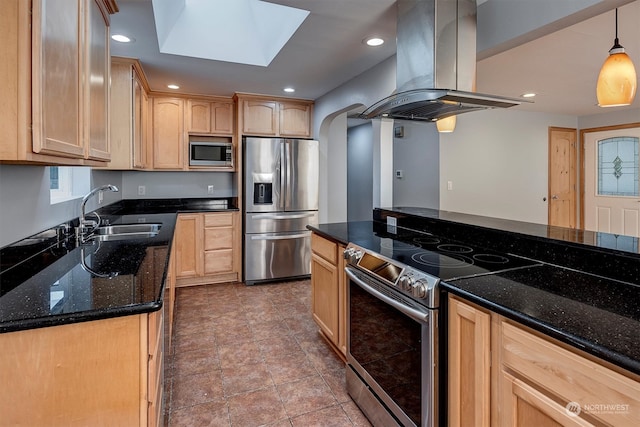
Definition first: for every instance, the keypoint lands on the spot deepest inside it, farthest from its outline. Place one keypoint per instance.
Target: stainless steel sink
(125, 231)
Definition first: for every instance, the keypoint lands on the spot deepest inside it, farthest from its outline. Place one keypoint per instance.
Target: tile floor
(252, 356)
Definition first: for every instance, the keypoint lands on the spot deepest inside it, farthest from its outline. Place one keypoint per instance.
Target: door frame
(583, 133)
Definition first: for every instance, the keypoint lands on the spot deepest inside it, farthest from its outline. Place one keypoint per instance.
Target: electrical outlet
(449, 185)
(209, 189)
(100, 197)
(392, 222)
(142, 190)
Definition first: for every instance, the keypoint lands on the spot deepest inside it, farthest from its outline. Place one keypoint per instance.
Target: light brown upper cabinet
(295, 119)
(96, 82)
(168, 133)
(129, 114)
(174, 118)
(209, 117)
(275, 117)
(57, 84)
(141, 125)
(260, 117)
(55, 107)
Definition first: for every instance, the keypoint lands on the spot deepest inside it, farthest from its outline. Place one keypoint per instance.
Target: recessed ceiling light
(289, 89)
(122, 38)
(374, 41)
(173, 86)
(528, 95)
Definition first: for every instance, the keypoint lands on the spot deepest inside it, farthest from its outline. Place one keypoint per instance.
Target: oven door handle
(411, 312)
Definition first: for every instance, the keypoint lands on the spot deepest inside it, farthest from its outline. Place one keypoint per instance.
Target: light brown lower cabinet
(99, 373)
(535, 381)
(328, 291)
(170, 296)
(208, 248)
(469, 380)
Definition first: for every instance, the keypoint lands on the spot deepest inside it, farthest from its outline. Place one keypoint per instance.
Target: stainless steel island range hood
(436, 63)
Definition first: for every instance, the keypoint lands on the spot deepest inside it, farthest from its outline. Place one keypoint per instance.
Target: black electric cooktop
(444, 258)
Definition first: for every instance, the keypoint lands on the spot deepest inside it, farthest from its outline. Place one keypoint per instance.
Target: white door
(612, 198)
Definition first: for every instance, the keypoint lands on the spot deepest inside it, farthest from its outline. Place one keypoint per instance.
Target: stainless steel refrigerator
(280, 200)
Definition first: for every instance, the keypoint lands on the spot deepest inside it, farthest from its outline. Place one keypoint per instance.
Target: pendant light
(617, 82)
(446, 125)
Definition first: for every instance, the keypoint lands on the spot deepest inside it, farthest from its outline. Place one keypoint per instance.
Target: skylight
(241, 31)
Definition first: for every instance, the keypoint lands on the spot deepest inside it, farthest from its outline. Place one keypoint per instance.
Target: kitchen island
(569, 322)
(82, 326)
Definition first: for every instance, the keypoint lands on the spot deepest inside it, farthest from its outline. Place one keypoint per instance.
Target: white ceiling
(562, 67)
(327, 50)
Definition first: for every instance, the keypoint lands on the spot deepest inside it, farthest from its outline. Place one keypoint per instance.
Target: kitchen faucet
(84, 226)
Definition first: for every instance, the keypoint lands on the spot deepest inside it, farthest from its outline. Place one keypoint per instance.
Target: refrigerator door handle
(284, 167)
(289, 190)
(276, 216)
(282, 237)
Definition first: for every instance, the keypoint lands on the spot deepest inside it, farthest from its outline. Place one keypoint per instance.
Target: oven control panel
(414, 283)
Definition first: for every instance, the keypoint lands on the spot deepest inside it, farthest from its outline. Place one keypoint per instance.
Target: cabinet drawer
(218, 220)
(572, 377)
(324, 248)
(220, 261)
(218, 238)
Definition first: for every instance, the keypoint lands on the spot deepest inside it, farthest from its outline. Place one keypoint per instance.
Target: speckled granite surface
(592, 312)
(49, 279)
(595, 314)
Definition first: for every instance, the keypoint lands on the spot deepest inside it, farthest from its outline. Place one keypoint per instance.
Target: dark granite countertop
(140, 206)
(49, 279)
(596, 314)
(603, 254)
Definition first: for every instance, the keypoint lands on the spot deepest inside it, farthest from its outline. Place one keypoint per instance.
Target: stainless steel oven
(392, 358)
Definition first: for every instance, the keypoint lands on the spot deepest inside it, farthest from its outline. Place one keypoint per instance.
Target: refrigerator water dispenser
(262, 193)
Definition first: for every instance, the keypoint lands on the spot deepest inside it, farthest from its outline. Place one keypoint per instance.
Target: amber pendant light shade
(446, 125)
(617, 82)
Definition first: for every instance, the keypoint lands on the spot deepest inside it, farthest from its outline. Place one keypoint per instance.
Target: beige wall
(497, 163)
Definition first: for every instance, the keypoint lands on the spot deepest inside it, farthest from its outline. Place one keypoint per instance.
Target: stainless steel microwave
(202, 153)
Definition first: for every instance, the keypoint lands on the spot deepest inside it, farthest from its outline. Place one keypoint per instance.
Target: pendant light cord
(616, 42)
